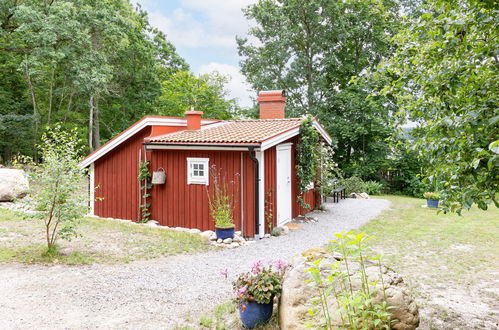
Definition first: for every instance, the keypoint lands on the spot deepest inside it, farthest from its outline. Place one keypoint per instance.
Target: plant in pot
(221, 201)
(256, 291)
(432, 199)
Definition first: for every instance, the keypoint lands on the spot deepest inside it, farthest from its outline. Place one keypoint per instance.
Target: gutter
(257, 189)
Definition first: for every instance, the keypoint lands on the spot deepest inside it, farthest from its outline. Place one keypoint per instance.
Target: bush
(352, 184)
(373, 187)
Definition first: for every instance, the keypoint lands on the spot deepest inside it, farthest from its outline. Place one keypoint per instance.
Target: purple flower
(242, 290)
(224, 272)
(257, 267)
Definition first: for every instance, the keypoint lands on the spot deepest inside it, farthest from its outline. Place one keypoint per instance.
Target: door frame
(283, 211)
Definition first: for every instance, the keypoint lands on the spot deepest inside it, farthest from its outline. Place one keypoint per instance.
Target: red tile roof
(232, 131)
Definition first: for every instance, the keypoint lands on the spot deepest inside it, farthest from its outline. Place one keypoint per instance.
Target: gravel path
(156, 293)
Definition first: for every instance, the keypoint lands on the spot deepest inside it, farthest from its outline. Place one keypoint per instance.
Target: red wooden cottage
(259, 153)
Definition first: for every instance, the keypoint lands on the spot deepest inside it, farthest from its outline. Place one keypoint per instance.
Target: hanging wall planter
(159, 176)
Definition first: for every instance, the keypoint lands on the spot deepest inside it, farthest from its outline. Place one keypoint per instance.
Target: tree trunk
(91, 124)
(96, 130)
(51, 96)
(35, 110)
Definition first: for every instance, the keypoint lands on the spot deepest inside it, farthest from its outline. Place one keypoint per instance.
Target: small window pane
(196, 173)
(196, 166)
(201, 173)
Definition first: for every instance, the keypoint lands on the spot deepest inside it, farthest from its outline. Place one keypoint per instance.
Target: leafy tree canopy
(445, 75)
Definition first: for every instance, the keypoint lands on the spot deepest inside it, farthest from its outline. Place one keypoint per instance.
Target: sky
(204, 33)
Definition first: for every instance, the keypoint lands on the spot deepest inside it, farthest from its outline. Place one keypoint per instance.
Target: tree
(95, 65)
(207, 92)
(57, 199)
(312, 50)
(445, 75)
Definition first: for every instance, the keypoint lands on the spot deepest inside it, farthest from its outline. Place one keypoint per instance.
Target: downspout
(257, 194)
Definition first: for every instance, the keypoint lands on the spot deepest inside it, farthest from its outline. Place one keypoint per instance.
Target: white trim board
(260, 155)
(292, 133)
(91, 188)
(194, 147)
(132, 130)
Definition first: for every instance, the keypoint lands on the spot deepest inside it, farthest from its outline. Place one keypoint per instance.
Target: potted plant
(221, 203)
(432, 199)
(256, 291)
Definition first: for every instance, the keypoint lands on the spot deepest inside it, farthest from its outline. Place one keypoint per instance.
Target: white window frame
(191, 179)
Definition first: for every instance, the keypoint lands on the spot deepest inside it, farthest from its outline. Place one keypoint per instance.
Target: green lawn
(101, 241)
(450, 261)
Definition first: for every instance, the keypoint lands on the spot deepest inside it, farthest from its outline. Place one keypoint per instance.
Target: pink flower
(242, 290)
(257, 267)
(224, 272)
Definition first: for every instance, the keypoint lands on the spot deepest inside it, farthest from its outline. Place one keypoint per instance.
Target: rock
(207, 234)
(194, 231)
(152, 223)
(228, 240)
(238, 233)
(353, 195)
(284, 230)
(238, 239)
(213, 237)
(13, 184)
(266, 236)
(364, 195)
(296, 299)
(233, 245)
(219, 241)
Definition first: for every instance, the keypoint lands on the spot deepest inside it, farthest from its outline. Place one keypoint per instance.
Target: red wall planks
(270, 181)
(179, 204)
(116, 174)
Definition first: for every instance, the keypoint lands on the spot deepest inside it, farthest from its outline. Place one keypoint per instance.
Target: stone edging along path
(157, 293)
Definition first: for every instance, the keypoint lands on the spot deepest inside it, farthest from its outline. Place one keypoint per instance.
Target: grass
(101, 241)
(452, 247)
(224, 317)
(449, 261)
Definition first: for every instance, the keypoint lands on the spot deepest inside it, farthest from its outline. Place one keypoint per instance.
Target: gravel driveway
(157, 293)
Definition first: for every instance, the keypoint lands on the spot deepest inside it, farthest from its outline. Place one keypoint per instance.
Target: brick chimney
(272, 104)
(193, 119)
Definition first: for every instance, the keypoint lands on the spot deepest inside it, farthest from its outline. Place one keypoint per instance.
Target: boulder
(364, 195)
(207, 234)
(297, 296)
(353, 195)
(228, 240)
(194, 231)
(13, 184)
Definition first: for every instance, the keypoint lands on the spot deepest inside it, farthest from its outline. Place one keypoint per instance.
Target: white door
(283, 173)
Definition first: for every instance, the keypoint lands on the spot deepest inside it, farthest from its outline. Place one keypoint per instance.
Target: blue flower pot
(255, 314)
(432, 203)
(224, 233)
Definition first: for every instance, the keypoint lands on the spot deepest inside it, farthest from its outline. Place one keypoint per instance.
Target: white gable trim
(294, 132)
(147, 121)
(322, 132)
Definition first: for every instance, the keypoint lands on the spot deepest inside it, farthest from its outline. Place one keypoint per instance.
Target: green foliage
(373, 187)
(445, 74)
(57, 198)
(276, 232)
(355, 307)
(312, 49)
(261, 284)
(95, 65)
(144, 179)
(182, 90)
(352, 184)
(432, 195)
(269, 214)
(307, 158)
(221, 198)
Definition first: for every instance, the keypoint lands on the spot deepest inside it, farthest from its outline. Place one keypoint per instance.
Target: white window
(198, 171)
